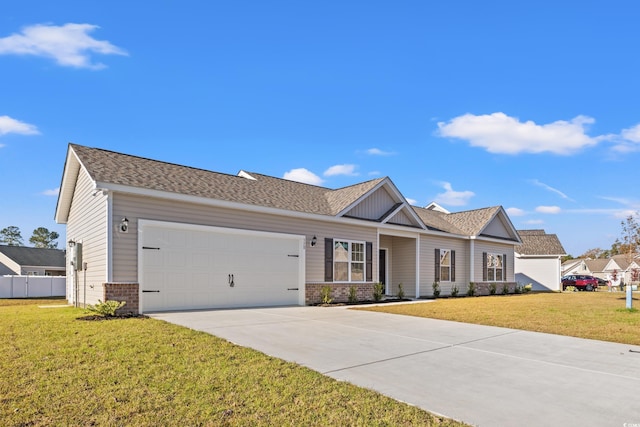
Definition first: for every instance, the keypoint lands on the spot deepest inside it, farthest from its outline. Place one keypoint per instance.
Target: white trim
(143, 223)
(109, 243)
(472, 260)
(417, 268)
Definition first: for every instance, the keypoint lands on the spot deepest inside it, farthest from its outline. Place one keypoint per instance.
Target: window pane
(499, 274)
(491, 274)
(357, 252)
(341, 252)
(498, 259)
(444, 274)
(341, 271)
(445, 257)
(357, 272)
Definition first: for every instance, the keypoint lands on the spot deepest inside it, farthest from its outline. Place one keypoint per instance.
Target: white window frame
(443, 253)
(350, 261)
(492, 268)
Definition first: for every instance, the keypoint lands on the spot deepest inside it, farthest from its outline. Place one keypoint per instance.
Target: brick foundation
(127, 292)
(339, 292)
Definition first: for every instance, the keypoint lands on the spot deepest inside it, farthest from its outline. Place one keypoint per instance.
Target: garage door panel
(192, 268)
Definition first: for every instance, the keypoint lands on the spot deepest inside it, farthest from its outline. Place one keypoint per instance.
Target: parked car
(581, 282)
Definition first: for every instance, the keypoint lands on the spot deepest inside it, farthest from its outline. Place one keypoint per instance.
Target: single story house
(539, 260)
(163, 236)
(27, 261)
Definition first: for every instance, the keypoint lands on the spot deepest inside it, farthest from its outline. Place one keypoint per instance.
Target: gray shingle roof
(34, 257)
(115, 168)
(436, 220)
(472, 222)
(538, 242)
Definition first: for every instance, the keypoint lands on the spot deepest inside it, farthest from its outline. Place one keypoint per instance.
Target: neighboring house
(25, 261)
(539, 260)
(627, 267)
(574, 266)
(596, 267)
(168, 237)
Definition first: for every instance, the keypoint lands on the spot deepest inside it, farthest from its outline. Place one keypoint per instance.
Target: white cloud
(9, 125)
(515, 212)
(499, 133)
(534, 222)
(548, 209)
(549, 188)
(628, 140)
(69, 45)
(303, 175)
(348, 170)
(453, 198)
(378, 152)
(52, 192)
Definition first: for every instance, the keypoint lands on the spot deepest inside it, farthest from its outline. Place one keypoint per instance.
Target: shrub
(353, 297)
(505, 289)
(378, 291)
(492, 289)
(517, 289)
(570, 289)
(400, 291)
(325, 295)
(454, 291)
(107, 308)
(472, 289)
(527, 288)
(436, 289)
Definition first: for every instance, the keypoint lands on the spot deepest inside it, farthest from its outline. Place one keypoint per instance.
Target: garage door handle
(292, 289)
(145, 291)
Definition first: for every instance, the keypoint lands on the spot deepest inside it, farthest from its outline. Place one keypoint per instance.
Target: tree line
(628, 243)
(41, 237)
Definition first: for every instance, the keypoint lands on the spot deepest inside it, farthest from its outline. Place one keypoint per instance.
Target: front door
(382, 268)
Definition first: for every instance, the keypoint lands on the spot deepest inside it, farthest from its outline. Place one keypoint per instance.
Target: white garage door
(194, 267)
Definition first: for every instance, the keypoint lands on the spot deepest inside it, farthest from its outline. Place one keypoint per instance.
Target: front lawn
(593, 315)
(61, 371)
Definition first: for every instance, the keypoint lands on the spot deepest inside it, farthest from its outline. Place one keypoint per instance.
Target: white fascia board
(361, 198)
(503, 215)
(67, 186)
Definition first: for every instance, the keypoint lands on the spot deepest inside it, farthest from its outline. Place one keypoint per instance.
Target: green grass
(593, 315)
(61, 371)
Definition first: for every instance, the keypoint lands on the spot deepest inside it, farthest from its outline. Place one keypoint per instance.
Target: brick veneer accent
(339, 292)
(482, 288)
(123, 292)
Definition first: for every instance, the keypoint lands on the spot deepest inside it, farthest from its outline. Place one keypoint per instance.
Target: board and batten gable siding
(428, 245)
(374, 206)
(87, 224)
(497, 228)
(133, 207)
(496, 248)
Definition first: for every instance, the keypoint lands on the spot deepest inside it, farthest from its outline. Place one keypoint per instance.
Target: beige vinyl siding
(87, 224)
(137, 207)
(374, 206)
(497, 228)
(400, 218)
(495, 248)
(403, 259)
(428, 245)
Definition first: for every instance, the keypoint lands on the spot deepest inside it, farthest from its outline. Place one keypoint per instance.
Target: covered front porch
(398, 264)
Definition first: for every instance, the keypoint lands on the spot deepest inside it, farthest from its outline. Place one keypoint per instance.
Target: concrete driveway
(481, 375)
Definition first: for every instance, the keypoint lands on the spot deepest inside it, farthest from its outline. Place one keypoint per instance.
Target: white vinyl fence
(32, 286)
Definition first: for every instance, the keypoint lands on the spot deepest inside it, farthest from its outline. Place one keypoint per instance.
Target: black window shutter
(437, 264)
(453, 266)
(504, 267)
(369, 258)
(328, 260)
(484, 266)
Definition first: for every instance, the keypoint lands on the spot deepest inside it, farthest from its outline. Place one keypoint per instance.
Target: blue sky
(529, 105)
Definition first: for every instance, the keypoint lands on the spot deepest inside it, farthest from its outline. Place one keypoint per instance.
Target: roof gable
(491, 222)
